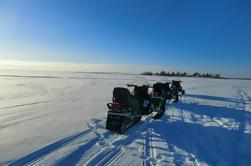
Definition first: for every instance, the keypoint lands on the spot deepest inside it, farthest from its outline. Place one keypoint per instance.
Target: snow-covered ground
(58, 118)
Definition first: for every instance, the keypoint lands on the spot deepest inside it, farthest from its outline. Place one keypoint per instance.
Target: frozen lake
(58, 118)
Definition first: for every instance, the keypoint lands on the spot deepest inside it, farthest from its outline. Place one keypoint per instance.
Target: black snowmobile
(161, 93)
(128, 108)
(176, 88)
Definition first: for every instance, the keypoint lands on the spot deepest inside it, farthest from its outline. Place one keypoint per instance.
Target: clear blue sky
(185, 35)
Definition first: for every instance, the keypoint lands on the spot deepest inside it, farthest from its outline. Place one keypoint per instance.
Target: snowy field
(58, 118)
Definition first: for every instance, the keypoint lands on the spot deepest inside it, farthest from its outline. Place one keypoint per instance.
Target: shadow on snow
(212, 145)
(48, 149)
(206, 97)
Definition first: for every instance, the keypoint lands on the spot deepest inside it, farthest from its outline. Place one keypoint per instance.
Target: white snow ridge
(58, 118)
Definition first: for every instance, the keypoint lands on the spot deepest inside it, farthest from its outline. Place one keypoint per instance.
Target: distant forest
(183, 74)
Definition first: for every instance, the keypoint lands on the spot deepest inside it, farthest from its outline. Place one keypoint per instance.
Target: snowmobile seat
(165, 86)
(121, 95)
(141, 92)
(157, 87)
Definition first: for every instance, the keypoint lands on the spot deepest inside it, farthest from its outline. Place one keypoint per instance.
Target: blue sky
(197, 35)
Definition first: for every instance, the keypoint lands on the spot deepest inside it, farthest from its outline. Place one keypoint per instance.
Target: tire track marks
(80, 152)
(149, 151)
(38, 155)
(108, 155)
(27, 104)
(240, 139)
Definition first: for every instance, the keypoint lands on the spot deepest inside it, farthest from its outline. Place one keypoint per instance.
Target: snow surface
(58, 118)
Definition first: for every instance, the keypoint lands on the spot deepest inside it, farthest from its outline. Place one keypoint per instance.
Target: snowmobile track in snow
(40, 154)
(149, 149)
(27, 104)
(85, 149)
(218, 122)
(111, 153)
(106, 156)
(107, 146)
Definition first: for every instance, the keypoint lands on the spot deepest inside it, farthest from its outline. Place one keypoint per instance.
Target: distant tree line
(182, 74)
(206, 75)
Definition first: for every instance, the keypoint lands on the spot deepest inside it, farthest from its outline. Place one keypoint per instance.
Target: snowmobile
(161, 93)
(127, 108)
(176, 85)
(162, 89)
(153, 104)
(175, 89)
